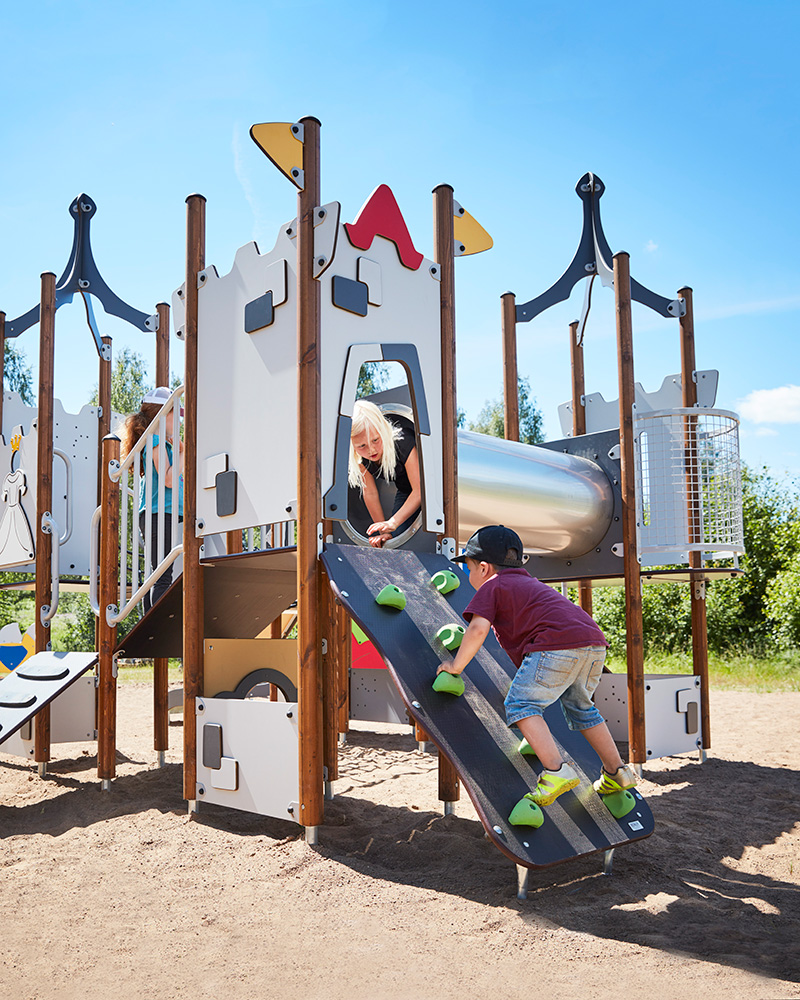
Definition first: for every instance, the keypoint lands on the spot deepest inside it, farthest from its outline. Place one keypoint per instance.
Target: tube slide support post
(510, 377)
(309, 494)
(633, 586)
(107, 634)
(449, 786)
(579, 428)
(698, 603)
(193, 667)
(44, 490)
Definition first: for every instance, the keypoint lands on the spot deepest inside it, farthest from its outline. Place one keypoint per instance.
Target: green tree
(491, 417)
(18, 374)
(372, 378)
(782, 605)
(129, 382)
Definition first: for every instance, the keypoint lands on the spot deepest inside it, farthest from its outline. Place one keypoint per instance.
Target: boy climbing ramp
(558, 650)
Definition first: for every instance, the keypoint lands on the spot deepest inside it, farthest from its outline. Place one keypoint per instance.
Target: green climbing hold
(526, 813)
(450, 636)
(447, 683)
(525, 748)
(392, 597)
(620, 803)
(445, 581)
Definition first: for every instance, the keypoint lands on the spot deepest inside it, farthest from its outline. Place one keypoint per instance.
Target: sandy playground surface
(122, 895)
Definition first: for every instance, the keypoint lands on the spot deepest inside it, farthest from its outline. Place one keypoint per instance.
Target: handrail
(68, 465)
(94, 560)
(142, 454)
(50, 527)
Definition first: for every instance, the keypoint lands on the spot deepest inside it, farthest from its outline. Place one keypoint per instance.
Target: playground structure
(288, 331)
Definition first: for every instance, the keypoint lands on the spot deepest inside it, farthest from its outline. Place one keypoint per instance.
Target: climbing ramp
(35, 683)
(470, 730)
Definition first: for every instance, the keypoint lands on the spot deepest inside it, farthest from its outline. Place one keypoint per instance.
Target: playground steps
(35, 683)
(243, 594)
(470, 729)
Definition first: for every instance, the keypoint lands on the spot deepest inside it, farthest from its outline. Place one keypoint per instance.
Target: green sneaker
(621, 779)
(552, 784)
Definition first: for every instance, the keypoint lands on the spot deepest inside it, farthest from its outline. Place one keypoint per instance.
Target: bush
(782, 605)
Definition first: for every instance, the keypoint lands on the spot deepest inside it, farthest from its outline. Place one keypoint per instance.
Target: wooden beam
(510, 377)
(44, 491)
(449, 785)
(161, 663)
(309, 496)
(697, 589)
(633, 585)
(578, 428)
(108, 596)
(192, 571)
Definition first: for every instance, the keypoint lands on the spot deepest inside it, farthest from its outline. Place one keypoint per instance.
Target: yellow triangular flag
(282, 142)
(470, 236)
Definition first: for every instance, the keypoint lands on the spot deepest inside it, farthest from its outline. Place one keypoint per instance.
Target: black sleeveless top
(404, 445)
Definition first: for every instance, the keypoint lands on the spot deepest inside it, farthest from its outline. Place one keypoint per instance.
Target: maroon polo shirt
(528, 616)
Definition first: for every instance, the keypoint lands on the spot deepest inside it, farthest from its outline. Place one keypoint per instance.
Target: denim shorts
(566, 675)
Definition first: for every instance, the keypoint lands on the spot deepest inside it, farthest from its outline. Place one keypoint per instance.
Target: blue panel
(350, 295)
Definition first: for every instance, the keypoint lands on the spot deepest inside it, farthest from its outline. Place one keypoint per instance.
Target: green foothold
(619, 804)
(446, 683)
(525, 748)
(445, 581)
(450, 636)
(526, 813)
(392, 597)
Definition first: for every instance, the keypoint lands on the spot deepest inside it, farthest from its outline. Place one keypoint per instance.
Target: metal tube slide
(557, 503)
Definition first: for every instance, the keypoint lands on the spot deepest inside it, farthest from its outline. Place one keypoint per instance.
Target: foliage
(79, 633)
(129, 382)
(782, 605)
(491, 418)
(372, 378)
(18, 374)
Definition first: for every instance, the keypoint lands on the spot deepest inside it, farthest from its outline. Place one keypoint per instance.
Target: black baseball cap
(493, 544)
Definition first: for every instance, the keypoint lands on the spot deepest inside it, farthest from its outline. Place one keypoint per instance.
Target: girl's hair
(132, 428)
(367, 415)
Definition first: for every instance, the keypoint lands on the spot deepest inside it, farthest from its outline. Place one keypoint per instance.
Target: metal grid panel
(688, 482)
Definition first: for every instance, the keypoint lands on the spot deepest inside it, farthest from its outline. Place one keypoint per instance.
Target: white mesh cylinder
(688, 483)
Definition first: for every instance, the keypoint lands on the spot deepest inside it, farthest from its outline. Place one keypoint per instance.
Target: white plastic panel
(668, 718)
(72, 720)
(259, 771)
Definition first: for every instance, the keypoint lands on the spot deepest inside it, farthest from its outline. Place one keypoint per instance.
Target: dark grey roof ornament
(593, 256)
(81, 275)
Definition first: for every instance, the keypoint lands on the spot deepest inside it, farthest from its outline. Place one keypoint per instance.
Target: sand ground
(121, 894)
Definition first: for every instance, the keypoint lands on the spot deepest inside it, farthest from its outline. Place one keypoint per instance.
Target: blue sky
(686, 112)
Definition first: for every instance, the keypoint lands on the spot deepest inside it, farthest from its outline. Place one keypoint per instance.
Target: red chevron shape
(381, 216)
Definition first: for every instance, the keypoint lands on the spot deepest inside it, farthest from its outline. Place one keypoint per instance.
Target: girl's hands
(382, 532)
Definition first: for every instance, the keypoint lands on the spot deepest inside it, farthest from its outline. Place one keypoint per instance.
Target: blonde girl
(384, 449)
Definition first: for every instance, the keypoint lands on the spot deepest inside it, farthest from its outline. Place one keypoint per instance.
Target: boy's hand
(449, 667)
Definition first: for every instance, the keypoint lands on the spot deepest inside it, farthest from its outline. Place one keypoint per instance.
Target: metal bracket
(299, 177)
(699, 590)
(324, 647)
(112, 610)
(618, 549)
(47, 524)
(615, 454)
(152, 323)
(105, 352)
(114, 667)
(113, 469)
(447, 547)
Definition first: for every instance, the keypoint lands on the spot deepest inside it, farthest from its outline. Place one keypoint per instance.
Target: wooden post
(309, 497)
(161, 663)
(510, 378)
(335, 664)
(193, 606)
(44, 492)
(633, 585)
(578, 428)
(104, 403)
(698, 594)
(108, 595)
(449, 787)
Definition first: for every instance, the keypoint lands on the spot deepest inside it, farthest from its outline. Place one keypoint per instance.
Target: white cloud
(772, 406)
(787, 304)
(650, 246)
(767, 432)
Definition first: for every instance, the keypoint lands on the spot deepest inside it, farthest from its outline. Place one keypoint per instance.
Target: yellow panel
(277, 141)
(228, 661)
(470, 233)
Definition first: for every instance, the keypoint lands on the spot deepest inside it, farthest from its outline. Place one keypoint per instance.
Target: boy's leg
(537, 733)
(602, 742)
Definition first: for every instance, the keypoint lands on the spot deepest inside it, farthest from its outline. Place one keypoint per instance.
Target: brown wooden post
(104, 404)
(2, 365)
(161, 663)
(192, 571)
(108, 595)
(44, 493)
(698, 592)
(578, 428)
(334, 662)
(633, 585)
(309, 497)
(510, 378)
(449, 785)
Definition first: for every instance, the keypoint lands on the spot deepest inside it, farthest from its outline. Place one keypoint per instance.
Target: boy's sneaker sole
(622, 780)
(552, 784)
